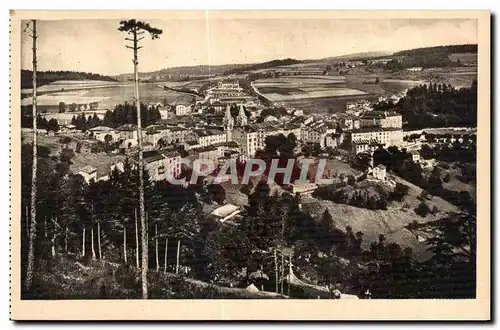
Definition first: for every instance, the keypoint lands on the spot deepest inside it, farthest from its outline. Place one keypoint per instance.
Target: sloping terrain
(390, 222)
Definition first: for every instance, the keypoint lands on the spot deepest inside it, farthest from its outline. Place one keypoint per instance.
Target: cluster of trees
(281, 145)
(429, 57)
(122, 114)
(97, 220)
(468, 139)
(42, 123)
(426, 51)
(439, 105)
(361, 197)
(456, 152)
(264, 65)
(46, 77)
(358, 198)
(72, 107)
(277, 112)
(399, 162)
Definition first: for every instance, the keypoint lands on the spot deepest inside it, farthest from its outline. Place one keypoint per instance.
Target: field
(108, 95)
(318, 94)
(71, 85)
(464, 57)
(327, 104)
(300, 91)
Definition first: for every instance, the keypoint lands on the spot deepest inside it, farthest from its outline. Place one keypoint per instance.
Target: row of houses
(159, 164)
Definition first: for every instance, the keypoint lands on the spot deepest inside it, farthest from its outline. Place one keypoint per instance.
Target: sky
(97, 46)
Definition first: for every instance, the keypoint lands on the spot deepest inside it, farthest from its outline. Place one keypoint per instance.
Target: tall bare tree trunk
(32, 232)
(92, 241)
(53, 245)
(142, 211)
(156, 248)
(83, 244)
(178, 255)
(137, 29)
(53, 241)
(66, 239)
(276, 270)
(166, 254)
(99, 239)
(136, 240)
(45, 228)
(27, 222)
(282, 272)
(125, 244)
(289, 272)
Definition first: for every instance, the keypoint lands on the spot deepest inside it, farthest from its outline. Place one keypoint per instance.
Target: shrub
(422, 210)
(400, 191)
(65, 140)
(128, 277)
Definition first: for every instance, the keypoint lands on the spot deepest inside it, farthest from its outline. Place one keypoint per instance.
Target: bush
(422, 210)
(128, 277)
(447, 177)
(65, 140)
(400, 191)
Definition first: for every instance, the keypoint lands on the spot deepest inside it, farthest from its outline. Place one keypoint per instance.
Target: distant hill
(204, 71)
(442, 50)
(264, 65)
(426, 57)
(360, 56)
(182, 72)
(46, 77)
(430, 57)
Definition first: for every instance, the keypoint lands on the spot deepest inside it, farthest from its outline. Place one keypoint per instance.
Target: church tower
(228, 123)
(241, 119)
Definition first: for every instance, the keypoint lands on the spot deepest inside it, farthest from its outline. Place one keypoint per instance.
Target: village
(230, 123)
(333, 177)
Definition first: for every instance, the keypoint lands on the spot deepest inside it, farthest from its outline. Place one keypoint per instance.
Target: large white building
(182, 109)
(247, 138)
(161, 163)
(228, 84)
(382, 119)
(100, 133)
(364, 139)
(200, 138)
(317, 132)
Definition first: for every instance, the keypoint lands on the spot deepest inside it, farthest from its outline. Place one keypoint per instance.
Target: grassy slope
(68, 279)
(390, 222)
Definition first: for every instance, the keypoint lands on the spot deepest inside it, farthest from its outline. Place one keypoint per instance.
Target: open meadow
(108, 94)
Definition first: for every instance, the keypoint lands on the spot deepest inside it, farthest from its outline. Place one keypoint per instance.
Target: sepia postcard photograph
(250, 165)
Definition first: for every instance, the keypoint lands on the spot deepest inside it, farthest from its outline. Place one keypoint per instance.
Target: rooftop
(379, 114)
(225, 210)
(102, 129)
(127, 127)
(88, 169)
(375, 129)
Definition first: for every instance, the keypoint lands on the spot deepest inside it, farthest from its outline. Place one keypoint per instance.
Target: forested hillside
(265, 65)
(443, 50)
(46, 77)
(437, 105)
